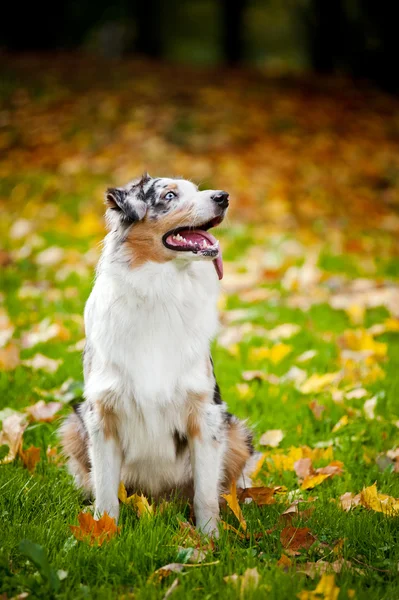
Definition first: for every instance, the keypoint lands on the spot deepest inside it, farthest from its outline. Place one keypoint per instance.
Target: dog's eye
(170, 196)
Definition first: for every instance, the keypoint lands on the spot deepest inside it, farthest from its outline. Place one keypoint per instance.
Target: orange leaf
(260, 495)
(30, 457)
(9, 357)
(92, 531)
(284, 561)
(232, 502)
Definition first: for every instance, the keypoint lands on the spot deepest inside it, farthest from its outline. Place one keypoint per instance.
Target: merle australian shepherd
(152, 415)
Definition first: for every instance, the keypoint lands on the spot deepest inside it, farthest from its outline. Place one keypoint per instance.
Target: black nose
(221, 197)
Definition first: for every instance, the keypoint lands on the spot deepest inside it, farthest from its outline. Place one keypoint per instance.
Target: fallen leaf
(244, 391)
(138, 501)
(284, 562)
(41, 362)
(50, 256)
(271, 438)
(325, 590)
(317, 409)
(294, 539)
(11, 435)
(305, 356)
(251, 375)
(30, 457)
(282, 332)
(370, 498)
(356, 313)
(321, 567)
(167, 570)
(260, 495)
(310, 482)
(44, 412)
(318, 383)
(43, 332)
(94, 532)
(232, 502)
(9, 357)
(369, 407)
(249, 581)
(360, 340)
(275, 354)
(341, 423)
(303, 467)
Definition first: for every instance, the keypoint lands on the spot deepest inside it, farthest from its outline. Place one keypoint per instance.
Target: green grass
(39, 507)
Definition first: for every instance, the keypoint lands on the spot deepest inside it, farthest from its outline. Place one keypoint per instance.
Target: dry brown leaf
(30, 457)
(43, 332)
(284, 562)
(321, 567)
(271, 438)
(94, 532)
(44, 412)
(11, 435)
(260, 495)
(303, 467)
(294, 539)
(317, 409)
(9, 357)
(232, 502)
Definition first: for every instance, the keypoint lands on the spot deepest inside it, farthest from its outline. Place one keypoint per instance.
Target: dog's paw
(209, 526)
(112, 511)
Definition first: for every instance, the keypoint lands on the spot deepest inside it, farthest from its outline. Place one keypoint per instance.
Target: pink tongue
(196, 236)
(218, 263)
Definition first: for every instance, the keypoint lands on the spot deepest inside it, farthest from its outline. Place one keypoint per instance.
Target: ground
(309, 341)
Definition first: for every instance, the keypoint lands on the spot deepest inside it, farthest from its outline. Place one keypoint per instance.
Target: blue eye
(170, 196)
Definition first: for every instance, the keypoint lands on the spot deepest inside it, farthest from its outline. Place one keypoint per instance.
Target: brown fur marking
(237, 453)
(74, 443)
(109, 421)
(144, 240)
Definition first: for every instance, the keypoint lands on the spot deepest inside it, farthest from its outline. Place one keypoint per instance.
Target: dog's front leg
(206, 443)
(106, 460)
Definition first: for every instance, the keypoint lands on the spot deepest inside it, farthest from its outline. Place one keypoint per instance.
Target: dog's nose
(221, 198)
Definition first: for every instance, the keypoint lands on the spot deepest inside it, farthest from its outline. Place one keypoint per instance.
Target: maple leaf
(294, 539)
(271, 438)
(94, 532)
(11, 435)
(138, 501)
(232, 502)
(44, 412)
(30, 457)
(370, 498)
(349, 500)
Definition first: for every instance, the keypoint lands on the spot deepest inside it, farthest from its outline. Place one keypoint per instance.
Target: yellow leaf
(313, 480)
(258, 467)
(244, 391)
(356, 313)
(318, 383)
(341, 423)
(373, 500)
(360, 340)
(232, 502)
(275, 354)
(325, 590)
(279, 352)
(139, 502)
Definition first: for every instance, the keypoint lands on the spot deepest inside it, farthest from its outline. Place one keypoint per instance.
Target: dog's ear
(128, 204)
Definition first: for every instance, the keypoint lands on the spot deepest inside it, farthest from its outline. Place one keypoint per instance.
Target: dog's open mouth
(197, 240)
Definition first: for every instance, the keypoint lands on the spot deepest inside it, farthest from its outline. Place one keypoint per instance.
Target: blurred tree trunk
(148, 17)
(232, 17)
(326, 34)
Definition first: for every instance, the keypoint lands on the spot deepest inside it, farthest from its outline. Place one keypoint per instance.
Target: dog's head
(164, 219)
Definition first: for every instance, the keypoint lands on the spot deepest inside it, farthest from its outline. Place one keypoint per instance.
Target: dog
(153, 416)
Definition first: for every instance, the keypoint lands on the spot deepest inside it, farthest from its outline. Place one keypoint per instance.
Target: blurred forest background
(355, 37)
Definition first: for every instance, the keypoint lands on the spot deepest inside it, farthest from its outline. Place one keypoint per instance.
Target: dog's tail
(74, 440)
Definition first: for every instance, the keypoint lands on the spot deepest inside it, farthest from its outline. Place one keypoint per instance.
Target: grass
(40, 506)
